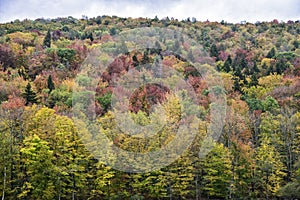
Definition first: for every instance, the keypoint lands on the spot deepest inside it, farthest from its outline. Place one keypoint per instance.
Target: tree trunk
(4, 184)
(197, 191)
(267, 182)
(59, 191)
(170, 186)
(11, 159)
(74, 186)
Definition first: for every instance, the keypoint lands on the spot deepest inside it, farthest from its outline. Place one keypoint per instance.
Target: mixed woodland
(42, 155)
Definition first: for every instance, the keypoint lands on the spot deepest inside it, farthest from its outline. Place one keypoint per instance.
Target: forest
(49, 105)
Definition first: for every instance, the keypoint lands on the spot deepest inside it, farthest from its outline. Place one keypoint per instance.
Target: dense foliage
(43, 157)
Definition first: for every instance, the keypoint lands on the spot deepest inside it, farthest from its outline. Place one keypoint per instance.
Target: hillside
(232, 90)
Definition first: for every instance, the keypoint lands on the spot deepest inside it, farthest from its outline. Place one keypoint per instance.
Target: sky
(213, 10)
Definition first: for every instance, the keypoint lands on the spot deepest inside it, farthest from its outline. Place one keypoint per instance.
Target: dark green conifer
(47, 40)
(50, 83)
(29, 95)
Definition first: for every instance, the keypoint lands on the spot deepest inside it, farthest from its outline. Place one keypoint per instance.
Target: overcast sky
(213, 10)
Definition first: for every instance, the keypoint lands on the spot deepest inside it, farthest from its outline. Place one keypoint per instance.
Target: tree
(37, 158)
(145, 59)
(290, 137)
(181, 178)
(66, 55)
(227, 64)
(7, 57)
(50, 84)
(270, 104)
(11, 136)
(290, 191)
(103, 178)
(271, 53)
(90, 36)
(254, 80)
(270, 168)
(217, 172)
(176, 47)
(156, 184)
(47, 40)
(29, 95)
(112, 31)
(135, 61)
(191, 56)
(105, 101)
(214, 51)
(71, 158)
(243, 169)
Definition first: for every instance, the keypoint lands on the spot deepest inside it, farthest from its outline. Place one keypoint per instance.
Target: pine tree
(214, 51)
(254, 79)
(50, 84)
(255, 68)
(47, 40)
(135, 61)
(90, 36)
(29, 95)
(176, 47)
(271, 53)
(146, 58)
(191, 56)
(227, 64)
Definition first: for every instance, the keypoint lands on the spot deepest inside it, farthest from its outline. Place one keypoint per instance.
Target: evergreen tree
(157, 46)
(292, 189)
(214, 51)
(271, 53)
(255, 68)
(176, 47)
(47, 40)
(254, 79)
(135, 61)
(29, 95)
(146, 58)
(90, 36)
(191, 56)
(50, 84)
(236, 84)
(227, 64)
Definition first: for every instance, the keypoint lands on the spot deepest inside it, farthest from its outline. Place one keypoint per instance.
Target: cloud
(213, 10)
(235, 11)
